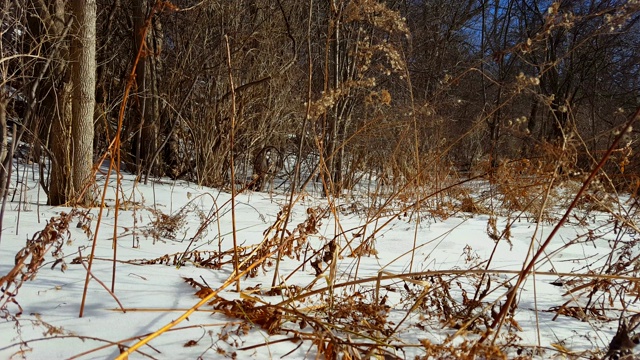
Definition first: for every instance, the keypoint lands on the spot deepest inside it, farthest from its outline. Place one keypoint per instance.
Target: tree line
(394, 89)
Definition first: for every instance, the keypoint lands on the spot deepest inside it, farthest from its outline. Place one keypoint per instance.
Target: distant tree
(145, 120)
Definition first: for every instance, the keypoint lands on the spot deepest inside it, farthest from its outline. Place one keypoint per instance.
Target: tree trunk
(54, 104)
(3, 142)
(3, 126)
(148, 104)
(83, 57)
(60, 189)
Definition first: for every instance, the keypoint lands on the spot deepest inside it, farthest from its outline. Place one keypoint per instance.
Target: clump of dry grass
(29, 260)
(166, 226)
(292, 243)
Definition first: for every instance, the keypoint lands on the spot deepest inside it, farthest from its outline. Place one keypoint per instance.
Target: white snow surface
(154, 295)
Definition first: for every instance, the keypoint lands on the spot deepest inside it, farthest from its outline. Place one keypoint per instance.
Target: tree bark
(3, 142)
(60, 189)
(83, 57)
(54, 99)
(3, 126)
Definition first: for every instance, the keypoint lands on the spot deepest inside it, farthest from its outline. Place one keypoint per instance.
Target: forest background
(399, 90)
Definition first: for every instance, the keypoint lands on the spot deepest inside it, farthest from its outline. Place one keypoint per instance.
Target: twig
(81, 337)
(101, 283)
(5, 191)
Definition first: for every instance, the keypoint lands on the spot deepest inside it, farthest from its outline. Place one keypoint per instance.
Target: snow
(449, 258)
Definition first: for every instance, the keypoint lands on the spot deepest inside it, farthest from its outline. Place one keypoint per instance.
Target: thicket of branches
(396, 89)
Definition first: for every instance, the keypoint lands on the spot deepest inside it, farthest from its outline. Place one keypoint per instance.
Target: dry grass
(30, 259)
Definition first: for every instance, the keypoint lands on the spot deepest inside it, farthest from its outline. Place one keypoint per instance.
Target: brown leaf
(204, 292)
(190, 343)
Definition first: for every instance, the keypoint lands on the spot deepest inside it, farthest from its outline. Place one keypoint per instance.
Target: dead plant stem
(416, 148)
(530, 250)
(231, 163)
(423, 274)
(113, 295)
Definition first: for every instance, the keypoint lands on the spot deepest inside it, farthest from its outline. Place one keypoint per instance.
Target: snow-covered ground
(425, 285)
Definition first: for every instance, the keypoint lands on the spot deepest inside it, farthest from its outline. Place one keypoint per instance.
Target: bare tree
(83, 63)
(459, 66)
(51, 101)
(72, 128)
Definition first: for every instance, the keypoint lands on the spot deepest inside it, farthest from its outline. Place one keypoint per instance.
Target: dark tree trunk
(147, 106)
